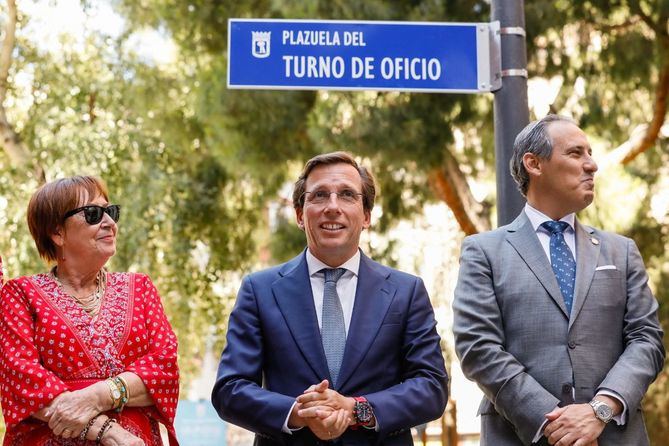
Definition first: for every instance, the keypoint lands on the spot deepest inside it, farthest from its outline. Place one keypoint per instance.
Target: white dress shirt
(346, 286)
(536, 218)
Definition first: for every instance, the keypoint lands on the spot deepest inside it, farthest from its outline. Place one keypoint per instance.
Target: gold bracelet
(123, 390)
(126, 387)
(114, 392)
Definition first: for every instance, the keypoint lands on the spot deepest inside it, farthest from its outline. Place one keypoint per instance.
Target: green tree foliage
(93, 108)
(261, 129)
(610, 58)
(194, 165)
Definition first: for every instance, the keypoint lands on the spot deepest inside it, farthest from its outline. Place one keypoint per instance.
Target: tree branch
(635, 8)
(644, 136)
(450, 185)
(614, 27)
(91, 106)
(659, 113)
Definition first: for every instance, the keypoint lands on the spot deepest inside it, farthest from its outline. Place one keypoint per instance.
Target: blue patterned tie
(333, 332)
(562, 260)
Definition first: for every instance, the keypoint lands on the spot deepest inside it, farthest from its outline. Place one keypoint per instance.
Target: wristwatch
(362, 411)
(603, 411)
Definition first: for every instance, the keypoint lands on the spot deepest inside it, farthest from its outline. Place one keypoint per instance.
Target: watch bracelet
(596, 404)
(112, 388)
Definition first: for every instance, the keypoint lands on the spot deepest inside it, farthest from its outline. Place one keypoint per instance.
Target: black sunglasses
(93, 213)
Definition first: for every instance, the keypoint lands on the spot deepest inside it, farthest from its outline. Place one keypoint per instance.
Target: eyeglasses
(93, 213)
(323, 196)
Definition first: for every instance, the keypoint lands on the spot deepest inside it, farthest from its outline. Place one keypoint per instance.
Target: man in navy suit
(331, 347)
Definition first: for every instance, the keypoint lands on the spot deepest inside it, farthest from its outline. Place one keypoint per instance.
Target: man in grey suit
(563, 346)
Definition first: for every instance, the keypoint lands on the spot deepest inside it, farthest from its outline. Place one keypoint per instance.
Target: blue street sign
(348, 55)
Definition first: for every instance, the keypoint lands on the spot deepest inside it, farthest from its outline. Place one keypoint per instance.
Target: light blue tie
(333, 332)
(562, 260)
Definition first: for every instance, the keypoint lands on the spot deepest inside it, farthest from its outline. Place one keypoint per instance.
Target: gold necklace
(90, 303)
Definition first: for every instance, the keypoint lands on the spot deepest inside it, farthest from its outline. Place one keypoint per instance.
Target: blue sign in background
(352, 55)
(198, 424)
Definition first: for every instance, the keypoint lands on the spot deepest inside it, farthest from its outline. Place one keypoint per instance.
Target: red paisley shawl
(49, 344)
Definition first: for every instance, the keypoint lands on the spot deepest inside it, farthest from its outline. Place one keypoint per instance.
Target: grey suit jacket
(515, 339)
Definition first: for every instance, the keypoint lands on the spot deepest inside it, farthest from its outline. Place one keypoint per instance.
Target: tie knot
(555, 227)
(333, 274)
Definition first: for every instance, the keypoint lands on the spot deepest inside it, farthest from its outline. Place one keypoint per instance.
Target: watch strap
(597, 405)
(360, 401)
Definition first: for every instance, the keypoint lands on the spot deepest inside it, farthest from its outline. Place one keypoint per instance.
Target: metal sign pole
(511, 109)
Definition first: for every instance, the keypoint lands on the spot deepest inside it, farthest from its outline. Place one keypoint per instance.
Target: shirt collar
(537, 217)
(315, 266)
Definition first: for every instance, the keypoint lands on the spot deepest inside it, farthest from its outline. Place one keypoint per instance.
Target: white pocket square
(603, 267)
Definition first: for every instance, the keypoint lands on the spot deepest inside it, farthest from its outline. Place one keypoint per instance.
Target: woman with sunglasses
(87, 356)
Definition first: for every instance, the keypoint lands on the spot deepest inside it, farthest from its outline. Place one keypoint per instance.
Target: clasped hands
(70, 411)
(576, 424)
(324, 411)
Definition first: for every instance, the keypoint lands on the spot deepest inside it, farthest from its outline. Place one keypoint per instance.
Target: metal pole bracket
(513, 30)
(522, 72)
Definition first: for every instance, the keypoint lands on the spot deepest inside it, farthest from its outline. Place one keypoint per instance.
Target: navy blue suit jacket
(274, 352)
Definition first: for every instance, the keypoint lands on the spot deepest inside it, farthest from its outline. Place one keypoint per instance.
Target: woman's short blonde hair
(51, 201)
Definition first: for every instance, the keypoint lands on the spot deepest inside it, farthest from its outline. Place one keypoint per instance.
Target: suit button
(572, 345)
(566, 388)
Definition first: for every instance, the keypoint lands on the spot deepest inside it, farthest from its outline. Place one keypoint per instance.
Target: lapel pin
(594, 241)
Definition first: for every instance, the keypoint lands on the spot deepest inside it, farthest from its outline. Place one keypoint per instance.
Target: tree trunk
(18, 153)
(450, 185)
(652, 132)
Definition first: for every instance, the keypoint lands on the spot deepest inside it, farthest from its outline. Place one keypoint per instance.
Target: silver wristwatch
(603, 411)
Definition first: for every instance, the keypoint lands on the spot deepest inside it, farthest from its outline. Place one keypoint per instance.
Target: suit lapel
(524, 240)
(294, 298)
(373, 296)
(587, 256)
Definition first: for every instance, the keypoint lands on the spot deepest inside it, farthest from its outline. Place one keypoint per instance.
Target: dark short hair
(51, 201)
(366, 177)
(534, 139)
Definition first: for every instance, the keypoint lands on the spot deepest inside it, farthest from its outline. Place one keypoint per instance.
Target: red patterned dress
(49, 344)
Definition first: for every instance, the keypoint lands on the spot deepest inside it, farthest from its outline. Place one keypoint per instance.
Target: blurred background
(135, 91)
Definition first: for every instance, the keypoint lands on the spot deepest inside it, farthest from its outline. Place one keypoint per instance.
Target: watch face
(363, 412)
(604, 412)
(116, 393)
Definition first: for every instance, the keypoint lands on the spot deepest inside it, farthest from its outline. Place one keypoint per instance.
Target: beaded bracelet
(103, 430)
(82, 435)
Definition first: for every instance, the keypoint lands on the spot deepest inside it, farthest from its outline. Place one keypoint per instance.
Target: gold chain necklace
(91, 302)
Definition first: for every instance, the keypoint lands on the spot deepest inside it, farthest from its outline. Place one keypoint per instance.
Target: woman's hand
(48, 409)
(117, 436)
(70, 413)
